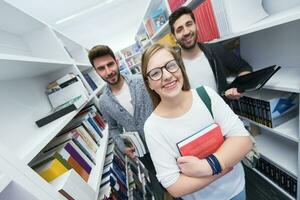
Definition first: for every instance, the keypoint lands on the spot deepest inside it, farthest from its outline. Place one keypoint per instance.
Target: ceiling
(90, 22)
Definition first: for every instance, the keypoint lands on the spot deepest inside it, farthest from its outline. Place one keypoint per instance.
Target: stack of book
(174, 4)
(114, 181)
(278, 176)
(206, 22)
(74, 148)
(93, 79)
(268, 107)
(66, 94)
(218, 18)
(167, 40)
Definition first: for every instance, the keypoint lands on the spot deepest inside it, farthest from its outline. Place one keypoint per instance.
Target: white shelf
(27, 66)
(282, 17)
(274, 184)
(30, 103)
(133, 55)
(4, 181)
(83, 66)
(137, 64)
(99, 89)
(163, 30)
(279, 151)
(288, 129)
(96, 173)
(23, 23)
(286, 79)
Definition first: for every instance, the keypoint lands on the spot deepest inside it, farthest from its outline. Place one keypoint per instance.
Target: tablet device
(254, 80)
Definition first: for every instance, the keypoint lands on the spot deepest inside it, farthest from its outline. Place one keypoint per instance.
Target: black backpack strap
(205, 98)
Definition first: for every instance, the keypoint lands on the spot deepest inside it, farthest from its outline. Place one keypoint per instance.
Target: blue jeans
(240, 196)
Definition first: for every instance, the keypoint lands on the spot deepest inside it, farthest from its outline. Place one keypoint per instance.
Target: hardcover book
(202, 143)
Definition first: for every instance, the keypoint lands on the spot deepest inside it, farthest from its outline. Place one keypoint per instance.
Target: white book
(70, 184)
(134, 139)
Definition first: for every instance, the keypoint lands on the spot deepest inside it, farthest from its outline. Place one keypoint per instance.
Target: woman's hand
(194, 167)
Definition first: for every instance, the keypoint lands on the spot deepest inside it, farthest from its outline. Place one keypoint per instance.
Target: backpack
(205, 98)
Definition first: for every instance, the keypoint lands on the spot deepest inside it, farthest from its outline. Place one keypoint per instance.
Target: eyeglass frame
(161, 69)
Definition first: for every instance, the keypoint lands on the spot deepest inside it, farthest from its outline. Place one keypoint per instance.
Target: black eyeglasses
(156, 73)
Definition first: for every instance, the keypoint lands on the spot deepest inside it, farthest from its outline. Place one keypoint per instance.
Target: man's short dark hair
(99, 51)
(178, 13)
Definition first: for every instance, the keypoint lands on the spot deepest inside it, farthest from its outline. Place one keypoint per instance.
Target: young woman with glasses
(178, 113)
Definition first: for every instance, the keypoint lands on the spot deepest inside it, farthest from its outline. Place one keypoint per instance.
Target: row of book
(93, 79)
(65, 95)
(133, 60)
(155, 21)
(75, 147)
(218, 18)
(138, 180)
(114, 181)
(278, 176)
(268, 107)
(130, 51)
(64, 89)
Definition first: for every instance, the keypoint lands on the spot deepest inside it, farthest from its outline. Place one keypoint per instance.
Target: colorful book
(202, 143)
(51, 169)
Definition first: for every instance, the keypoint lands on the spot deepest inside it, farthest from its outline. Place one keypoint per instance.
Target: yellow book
(51, 170)
(168, 40)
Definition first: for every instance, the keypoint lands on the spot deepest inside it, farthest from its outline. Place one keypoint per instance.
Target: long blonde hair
(145, 61)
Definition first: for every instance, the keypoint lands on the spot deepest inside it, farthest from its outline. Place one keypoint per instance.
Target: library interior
(87, 113)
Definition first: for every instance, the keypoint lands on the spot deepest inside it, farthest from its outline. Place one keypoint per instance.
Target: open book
(255, 80)
(132, 139)
(202, 143)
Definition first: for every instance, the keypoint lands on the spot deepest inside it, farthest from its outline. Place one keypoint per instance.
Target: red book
(203, 143)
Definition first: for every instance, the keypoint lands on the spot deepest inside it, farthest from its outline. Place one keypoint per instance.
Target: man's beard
(115, 82)
(188, 47)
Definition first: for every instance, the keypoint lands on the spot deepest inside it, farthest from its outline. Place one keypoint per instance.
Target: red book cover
(203, 143)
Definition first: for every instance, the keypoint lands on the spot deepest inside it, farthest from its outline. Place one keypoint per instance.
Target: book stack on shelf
(124, 69)
(138, 180)
(114, 180)
(174, 4)
(93, 79)
(132, 57)
(65, 94)
(206, 22)
(267, 107)
(167, 40)
(67, 161)
(155, 21)
(279, 176)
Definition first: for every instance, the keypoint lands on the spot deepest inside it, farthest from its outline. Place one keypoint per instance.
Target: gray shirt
(118, 118)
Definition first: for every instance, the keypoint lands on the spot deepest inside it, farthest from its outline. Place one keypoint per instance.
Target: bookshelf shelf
(163, 30)
(96, 173)
(281, 152)
(100, 87)
(28, 66)
(286, 79)
(288, 129)
(25, 22)
(135, 54)
(83, 66)
(137, 64)
(275, 185)
(4, 181)
(272, 20)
